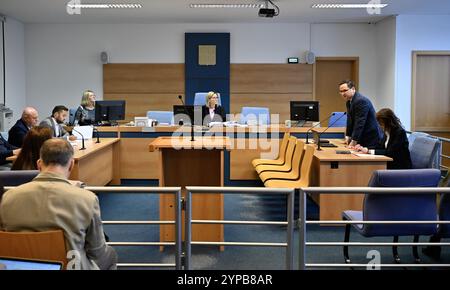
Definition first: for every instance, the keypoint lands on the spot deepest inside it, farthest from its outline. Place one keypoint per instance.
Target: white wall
(63, 60)
(350, 40)
(385, 57)
(415, 33)
(15, 66)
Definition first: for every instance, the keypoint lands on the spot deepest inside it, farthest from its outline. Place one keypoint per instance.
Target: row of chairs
(292, 167)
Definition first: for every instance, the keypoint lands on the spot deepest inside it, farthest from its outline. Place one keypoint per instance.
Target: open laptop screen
(7, 263)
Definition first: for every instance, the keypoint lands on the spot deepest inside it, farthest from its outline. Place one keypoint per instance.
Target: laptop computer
(8, 263)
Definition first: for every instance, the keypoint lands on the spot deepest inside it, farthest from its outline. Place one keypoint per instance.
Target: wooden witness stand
(197, 163)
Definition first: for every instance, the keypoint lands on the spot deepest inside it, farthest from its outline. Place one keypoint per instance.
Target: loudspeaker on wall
(104, 57)
(310, 58)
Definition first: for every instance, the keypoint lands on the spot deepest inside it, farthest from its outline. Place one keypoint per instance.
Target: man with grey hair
(50, 202)
(17, 133)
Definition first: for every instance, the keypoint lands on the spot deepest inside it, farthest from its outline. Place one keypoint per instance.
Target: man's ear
(72, 164)
(39, 164)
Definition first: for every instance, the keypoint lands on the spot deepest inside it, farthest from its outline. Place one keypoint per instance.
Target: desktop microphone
(307, 132)
(318, 134)
(82, 139)
(181, 99)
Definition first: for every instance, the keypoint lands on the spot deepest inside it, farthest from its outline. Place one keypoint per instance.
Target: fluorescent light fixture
(339, 6)
(226, 5)
(104, 6)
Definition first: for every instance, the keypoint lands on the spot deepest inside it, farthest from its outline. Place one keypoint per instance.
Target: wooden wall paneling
(137, 105)
(143, 78)
(277, 103)
(271, 78)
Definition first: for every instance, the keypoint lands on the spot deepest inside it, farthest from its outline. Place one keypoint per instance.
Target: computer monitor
(184, 114)
(108, 112)
(7, 263)
(305, 111)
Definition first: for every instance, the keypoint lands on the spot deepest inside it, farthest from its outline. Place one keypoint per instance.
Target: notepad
(85, 131)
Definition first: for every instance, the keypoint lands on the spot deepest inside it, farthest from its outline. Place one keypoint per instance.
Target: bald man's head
(30, 116)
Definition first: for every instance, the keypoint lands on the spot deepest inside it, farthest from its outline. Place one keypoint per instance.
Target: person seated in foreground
(50, 202)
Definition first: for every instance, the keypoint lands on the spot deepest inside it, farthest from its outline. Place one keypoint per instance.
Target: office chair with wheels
(396, 207)
(424, 151)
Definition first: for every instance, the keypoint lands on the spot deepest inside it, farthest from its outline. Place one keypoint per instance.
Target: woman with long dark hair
(394, 143)
(28, 156)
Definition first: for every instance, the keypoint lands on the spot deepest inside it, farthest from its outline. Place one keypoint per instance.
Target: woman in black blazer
(212, 111)
(394, 143)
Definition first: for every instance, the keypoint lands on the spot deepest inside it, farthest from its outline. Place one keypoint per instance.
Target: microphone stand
(97, 134)
(318, 134)
(307, 132)
(82, 139)
(192, 121)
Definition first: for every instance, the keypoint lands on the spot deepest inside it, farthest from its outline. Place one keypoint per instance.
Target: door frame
(415, 56)
(355, 76)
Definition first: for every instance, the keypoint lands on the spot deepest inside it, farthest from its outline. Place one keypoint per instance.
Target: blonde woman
(85, 114)
(212, 111)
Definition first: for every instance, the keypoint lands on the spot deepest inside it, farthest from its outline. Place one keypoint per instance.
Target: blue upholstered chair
(255, 115)
(200, 99)
(72, 116)
(17, 177)
(396, 207)
(338, 119)
(425, 151)
(164, 117)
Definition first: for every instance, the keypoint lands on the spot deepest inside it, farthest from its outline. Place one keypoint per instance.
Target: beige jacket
(50, 202)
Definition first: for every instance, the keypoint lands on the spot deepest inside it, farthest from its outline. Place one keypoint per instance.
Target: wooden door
(431, 95)
(329, 72)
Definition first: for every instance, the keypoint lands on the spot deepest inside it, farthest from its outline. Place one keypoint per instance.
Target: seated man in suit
(29, 119)
(55, 121)
(212, 111)
(51, 202)
(7, 150)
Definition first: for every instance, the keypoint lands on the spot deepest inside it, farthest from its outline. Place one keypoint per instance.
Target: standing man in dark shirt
(362, 125)
(29, 119)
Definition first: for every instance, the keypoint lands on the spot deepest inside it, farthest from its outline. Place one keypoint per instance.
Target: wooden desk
(341, 170)
(98, 164)
(199, 163)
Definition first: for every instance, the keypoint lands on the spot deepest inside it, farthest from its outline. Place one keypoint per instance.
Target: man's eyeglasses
(343, 91)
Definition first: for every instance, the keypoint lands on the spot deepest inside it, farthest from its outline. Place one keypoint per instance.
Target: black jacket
(397, 148)
(362, 124)
(17, 133)
(6, 150)
(219, 115)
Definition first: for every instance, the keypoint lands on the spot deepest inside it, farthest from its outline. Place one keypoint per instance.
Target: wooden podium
(183, 162)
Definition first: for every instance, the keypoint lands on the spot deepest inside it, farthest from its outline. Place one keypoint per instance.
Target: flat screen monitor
(7, 263)
(184, 114)
(109, 111)
(305, 111)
